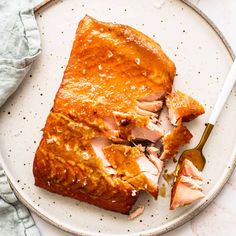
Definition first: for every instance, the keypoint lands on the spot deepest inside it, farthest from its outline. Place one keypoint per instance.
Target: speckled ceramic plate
(202, 58)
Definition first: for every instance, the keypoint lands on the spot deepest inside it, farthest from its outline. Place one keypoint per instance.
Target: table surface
(219, 218)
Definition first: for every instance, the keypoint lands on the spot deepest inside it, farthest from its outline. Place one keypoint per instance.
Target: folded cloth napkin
(19, 46)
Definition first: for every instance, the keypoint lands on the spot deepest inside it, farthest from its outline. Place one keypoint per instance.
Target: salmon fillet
(102, 140)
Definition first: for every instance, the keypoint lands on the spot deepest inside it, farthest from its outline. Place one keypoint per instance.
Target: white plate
(202, 61)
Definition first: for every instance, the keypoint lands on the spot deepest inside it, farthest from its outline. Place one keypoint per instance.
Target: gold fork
(195, 155)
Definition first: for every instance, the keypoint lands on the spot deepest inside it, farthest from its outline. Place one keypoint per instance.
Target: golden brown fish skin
(179, 136)
(111, 67)
(182, 106)
(64, 166)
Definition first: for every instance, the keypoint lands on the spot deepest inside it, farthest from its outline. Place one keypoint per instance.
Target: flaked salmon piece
(179, 136)
(191, 182)
(146, 165)
(153, 106)
(182, 106)
(112, 131)
(154, 151)
(189, 169)
(137, 127)
(111, 123)
(127, 122)
(137, 212)
(153, 156)
(98, 144)
(164, 121)
(143, 112)
(185, 192)
(154, 175)
(151, 132)
(150, 168)
(188, 186)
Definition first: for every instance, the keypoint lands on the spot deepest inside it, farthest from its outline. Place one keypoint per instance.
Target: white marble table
(220, 217)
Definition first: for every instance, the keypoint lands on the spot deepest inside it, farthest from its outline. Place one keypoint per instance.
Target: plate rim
(184, 218)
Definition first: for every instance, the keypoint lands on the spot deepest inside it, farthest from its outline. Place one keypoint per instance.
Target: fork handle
(205, 135)
(227, 87)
